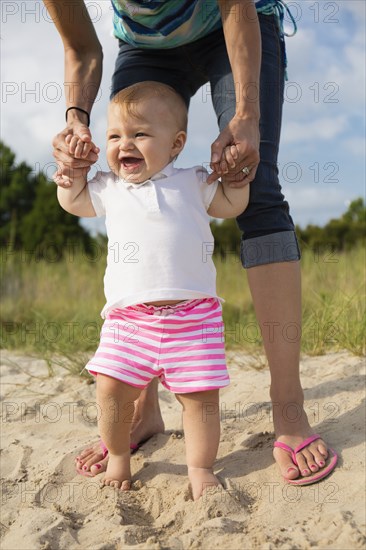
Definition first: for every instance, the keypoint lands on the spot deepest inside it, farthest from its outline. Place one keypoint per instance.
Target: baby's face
(139, 147)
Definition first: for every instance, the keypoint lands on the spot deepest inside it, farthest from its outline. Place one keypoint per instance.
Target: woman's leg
(270, 252)
(276, 292)
(201, 423)
(147, 420)
(114, 400)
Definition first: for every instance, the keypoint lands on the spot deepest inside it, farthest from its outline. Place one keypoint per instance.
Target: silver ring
(246, 171)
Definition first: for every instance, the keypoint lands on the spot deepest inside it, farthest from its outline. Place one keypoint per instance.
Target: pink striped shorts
(182, 344)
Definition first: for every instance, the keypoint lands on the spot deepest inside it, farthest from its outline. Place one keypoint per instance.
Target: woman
(238, 46)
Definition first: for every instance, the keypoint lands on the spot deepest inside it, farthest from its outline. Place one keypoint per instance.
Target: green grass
(53, 308)
(334, 302)
(333, 297)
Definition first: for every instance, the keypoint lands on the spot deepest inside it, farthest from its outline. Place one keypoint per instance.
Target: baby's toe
(116, 484)
(126, 485)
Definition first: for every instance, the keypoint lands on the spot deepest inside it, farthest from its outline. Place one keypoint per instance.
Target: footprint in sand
(14, 461)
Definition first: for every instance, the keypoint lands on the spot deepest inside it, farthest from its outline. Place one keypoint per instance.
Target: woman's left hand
(243, 133)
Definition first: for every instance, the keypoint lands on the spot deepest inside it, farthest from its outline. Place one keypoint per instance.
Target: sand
(46, 420)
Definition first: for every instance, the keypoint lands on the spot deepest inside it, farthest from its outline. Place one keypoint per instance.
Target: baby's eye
(113, 136)
(140, 134)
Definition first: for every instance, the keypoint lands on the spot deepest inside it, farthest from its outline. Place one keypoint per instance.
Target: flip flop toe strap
(104, 449)
(299, 448)
(287, 448)
(306, 442)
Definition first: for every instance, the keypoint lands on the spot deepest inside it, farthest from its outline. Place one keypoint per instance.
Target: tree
(356, 212)
(343, 233)
(16, 198)
(31, 218)
(227, 237)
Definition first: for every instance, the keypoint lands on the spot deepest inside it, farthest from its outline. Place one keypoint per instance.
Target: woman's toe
(291, 472)
(320, 455)
(303, 465)
(98, 468)
(287, 467)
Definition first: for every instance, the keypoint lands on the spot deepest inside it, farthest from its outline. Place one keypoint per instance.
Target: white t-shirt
(160, 242)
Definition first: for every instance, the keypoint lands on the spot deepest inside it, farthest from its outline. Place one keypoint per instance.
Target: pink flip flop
(321, 474)
(133, 446)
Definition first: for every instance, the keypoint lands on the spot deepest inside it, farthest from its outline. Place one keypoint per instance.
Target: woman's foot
(310, 460)
(143, 428)
(201, 479)
(93, 460)
(118, 473)
(292, 428)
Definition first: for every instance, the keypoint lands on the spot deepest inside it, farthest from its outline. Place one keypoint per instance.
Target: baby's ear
(179, 142)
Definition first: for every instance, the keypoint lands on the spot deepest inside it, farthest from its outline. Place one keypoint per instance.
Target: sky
(322, 153)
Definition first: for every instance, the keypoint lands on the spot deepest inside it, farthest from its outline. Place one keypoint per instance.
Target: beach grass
(52, 308)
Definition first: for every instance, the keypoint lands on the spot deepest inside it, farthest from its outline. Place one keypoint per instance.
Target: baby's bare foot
(201, 479)
(118, 473)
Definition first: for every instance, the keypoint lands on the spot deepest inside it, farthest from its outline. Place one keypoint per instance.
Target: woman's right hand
(73, 150)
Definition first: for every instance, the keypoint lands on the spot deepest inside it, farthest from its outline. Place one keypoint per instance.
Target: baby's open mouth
(131, 163)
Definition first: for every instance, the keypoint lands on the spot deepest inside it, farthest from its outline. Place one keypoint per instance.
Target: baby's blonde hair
(130, 97)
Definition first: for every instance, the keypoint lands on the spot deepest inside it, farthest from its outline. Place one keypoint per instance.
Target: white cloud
(356, 146)
(357, 8)
(319, 129)
(316, 205)
(328, 77)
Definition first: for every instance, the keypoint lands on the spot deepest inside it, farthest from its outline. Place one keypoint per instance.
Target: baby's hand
(78, 148)
(229, 157)
(65, 181)
(60, 180)
(227, 162)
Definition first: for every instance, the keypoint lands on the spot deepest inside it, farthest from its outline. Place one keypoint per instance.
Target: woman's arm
(243, 43)
(83, 54)
(83, 72)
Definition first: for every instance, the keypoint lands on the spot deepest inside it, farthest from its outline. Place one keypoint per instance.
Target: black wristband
(81, 110)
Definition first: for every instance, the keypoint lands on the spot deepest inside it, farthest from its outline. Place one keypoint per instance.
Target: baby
(163, 317)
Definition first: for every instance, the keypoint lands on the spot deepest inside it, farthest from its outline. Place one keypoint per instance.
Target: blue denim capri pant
(268, 232)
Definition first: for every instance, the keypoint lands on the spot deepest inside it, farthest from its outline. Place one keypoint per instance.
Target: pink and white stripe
(182, 344)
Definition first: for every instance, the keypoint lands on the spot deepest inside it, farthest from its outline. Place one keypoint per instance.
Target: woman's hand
(241, 138)
(74, 152)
